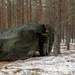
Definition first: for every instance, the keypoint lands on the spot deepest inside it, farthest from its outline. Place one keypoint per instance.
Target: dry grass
(2, 63)
(18, 70)
(36, 69)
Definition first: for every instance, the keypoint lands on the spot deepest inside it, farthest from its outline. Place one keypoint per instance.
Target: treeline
(17, 12)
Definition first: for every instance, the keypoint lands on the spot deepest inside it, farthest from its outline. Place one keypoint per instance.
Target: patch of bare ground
(16, 71)
(36, 69)
(2, 63)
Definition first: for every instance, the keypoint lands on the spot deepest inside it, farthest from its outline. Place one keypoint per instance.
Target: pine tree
(68, 24)
(0, 16)
(27, 12)
(3, 27)
(30, 12)
(21, 12)
(9, 14)
(57, 27)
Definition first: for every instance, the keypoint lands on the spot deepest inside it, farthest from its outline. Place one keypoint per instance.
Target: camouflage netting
(20, 42)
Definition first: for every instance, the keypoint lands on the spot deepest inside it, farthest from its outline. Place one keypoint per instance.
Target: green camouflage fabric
(19, 42)
(22, 42)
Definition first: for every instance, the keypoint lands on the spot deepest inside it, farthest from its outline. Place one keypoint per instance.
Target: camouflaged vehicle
(23, 41)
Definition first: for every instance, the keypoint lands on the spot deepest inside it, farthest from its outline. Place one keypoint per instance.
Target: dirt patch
(2, 63)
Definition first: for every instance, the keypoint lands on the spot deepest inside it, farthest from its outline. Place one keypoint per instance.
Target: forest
(58, 14)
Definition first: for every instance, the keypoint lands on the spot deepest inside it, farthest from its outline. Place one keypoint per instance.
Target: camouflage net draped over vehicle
(20, 42)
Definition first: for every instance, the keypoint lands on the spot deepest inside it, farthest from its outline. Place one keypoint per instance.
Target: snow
(63, 64)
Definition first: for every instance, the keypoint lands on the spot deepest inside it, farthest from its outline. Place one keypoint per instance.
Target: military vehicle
(23, 41)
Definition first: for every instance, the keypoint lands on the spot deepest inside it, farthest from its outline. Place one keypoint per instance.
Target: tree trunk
(57, 27)
(17, 9)
(21, 12)
(69, 24)
(59, 9)
(73, 13)
(27, 12)
(13, 14)
(30, 12)
(9, 14)
(37, 15)
(3, 27)
(39, 11)
(0, 18)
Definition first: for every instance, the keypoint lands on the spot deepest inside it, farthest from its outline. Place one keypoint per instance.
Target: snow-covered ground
(63, 64)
